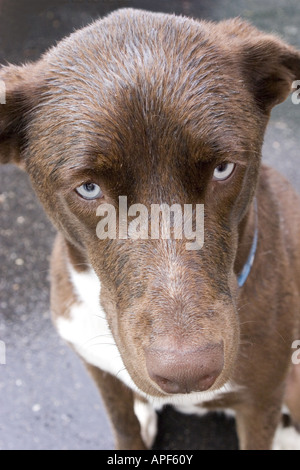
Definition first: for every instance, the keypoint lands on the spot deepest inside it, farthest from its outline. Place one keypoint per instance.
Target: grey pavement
(47, 400)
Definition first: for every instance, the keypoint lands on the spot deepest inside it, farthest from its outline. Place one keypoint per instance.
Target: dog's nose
(185, 370)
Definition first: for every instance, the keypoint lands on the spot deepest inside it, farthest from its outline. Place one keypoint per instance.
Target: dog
(163, 110)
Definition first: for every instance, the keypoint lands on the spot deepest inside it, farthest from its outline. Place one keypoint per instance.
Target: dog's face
(162, 110)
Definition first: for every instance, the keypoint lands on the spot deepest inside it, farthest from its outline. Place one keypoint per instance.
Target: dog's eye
(223, 171)
(89, 191)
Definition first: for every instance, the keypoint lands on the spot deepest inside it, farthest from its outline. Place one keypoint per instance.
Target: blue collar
(242, 277)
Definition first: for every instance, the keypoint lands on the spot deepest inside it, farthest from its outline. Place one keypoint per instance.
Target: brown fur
(147, 105)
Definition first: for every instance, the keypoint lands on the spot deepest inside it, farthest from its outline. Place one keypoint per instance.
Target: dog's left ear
(272, 67)
(269, 65)
(18, 85)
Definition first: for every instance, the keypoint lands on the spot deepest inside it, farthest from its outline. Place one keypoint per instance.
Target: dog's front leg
(256, 426)
(119, 403)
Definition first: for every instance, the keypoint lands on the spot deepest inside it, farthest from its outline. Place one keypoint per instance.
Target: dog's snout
(185, 369)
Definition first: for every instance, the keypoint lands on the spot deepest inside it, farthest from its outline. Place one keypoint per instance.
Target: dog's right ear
(18, 85)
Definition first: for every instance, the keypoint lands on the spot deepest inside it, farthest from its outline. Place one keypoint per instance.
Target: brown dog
(167, 110)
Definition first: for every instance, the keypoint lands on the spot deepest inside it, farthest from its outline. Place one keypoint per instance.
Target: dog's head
(163, 110)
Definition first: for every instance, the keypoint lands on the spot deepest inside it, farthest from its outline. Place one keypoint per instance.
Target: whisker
(106, 335)
(244, 305)
(99, 316)
(82, 264)
(121, 370)
(246, 342)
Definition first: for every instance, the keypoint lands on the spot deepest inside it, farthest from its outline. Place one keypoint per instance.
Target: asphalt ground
(47, 400)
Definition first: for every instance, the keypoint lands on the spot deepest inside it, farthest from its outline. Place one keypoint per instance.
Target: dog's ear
(17, 95)
(269, 65)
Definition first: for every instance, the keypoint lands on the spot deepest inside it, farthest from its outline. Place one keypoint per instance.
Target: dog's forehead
(141, 86)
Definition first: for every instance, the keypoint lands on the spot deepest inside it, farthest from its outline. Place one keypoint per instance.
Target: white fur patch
(191, 403)
(199, 411)
(87, 328)
(88, 331)
(286, 439)
(148, 421)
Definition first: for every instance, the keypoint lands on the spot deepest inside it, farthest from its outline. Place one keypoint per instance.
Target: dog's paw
(286, 438)
(148, 421)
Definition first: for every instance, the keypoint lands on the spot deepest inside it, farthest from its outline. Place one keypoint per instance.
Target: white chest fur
(87, 328)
